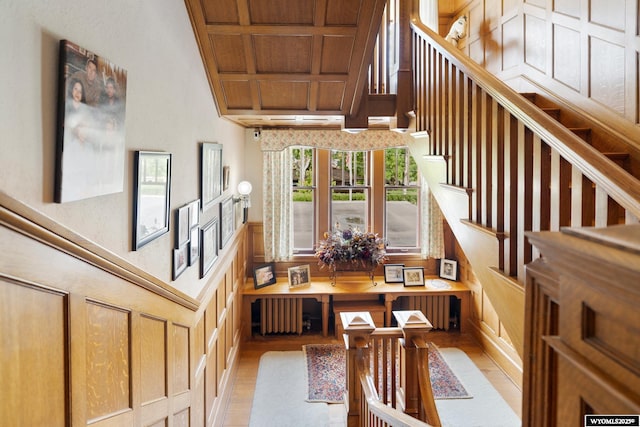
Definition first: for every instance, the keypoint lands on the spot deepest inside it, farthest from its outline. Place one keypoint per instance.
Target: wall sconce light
(244, 189)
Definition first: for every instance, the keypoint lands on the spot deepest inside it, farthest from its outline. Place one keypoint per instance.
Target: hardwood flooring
(239, 407)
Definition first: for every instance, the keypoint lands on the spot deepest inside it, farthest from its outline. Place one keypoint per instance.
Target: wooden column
(358, 327)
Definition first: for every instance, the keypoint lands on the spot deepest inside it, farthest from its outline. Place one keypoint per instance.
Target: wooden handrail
(617, 183)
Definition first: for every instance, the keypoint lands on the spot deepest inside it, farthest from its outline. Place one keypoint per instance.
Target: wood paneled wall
(583, 52)
(89, 340)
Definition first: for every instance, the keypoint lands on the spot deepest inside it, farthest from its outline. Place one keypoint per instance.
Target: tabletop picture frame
(264, 275)
(448, 269)
(152, 186)
(413, 276)
(393, 273)
(299, 276)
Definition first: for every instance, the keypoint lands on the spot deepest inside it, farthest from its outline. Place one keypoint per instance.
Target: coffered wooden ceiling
(286, 63)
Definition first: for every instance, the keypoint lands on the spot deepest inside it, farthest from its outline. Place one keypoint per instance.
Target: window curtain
(278, 206)
(432, 231)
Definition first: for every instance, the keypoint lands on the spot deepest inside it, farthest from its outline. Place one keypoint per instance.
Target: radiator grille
(280, 315)
(436, 308)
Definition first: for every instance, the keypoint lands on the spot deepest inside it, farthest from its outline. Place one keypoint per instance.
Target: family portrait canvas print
(90, 147)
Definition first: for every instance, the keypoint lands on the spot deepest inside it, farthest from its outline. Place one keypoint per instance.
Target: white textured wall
(169, 108)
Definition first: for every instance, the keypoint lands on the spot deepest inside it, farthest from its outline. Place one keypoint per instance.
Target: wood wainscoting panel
(153, 359)
(181, 419)
(108, 360)
(32, 355)
(180, 336)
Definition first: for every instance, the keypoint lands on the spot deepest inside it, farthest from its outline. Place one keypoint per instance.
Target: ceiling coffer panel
(228, 50)
(281, 12)
(237, 94)
(283, 54)
(284, 95)
(220, 11)
(330, 96)
(336, 54)
(343, 12)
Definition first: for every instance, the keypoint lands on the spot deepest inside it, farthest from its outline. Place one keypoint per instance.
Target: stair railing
(522, 170)
(378, 390)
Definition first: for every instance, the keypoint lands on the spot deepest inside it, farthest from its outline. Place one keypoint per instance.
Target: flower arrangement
(352, 247)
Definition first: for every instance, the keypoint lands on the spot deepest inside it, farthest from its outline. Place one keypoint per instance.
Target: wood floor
(239, 408)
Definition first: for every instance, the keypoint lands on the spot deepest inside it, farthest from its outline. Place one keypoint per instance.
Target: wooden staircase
(501, 164)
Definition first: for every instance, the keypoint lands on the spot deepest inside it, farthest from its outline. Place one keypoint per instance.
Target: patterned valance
(278, 140)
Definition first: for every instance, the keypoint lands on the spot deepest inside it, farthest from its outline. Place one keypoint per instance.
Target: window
(303, 195)
(332, 187)
(402, 198)
(349, 189)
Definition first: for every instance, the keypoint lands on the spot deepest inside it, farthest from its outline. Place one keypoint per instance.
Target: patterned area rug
(326, 374)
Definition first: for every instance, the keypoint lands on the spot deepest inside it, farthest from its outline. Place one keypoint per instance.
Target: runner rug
(325, 365)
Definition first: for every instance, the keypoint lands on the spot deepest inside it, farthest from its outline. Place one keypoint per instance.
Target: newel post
(358, 327)
(414, 324)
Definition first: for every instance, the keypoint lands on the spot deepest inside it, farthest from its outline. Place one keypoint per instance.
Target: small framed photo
(299, 276)
(180, 260)
(227, 221)
(413, 276)
(151, 210)
(194, 245)
(448, 269)
(194, 213)
(264, 275)
(393, 273)
(208, 246)
(182, 226)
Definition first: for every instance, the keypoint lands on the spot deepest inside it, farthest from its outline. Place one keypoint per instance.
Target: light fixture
(244, 188)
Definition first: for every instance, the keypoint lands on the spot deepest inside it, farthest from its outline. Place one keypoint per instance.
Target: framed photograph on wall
(299, 276)
(90, 142)
(227, 221)
(208, 246)
(413, 276)
(194, 245)
(182, 225)
(180, 260)
(210, 174)
(264, 275)
(448, 269)
(194, 213)
(393, 273)
(152, 185)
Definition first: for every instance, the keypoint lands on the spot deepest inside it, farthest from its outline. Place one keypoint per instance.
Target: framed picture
(448, 269)
(194, 213)
(413, 276)
(194, 245)
(393, 273)
(299, 276)
(152, 177)
(180, 260)
(182, 226)
(264, 275)
(210, 174)
(208, 246)
(90, 142)
(227, 221)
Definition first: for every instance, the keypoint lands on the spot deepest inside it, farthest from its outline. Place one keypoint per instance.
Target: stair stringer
(480, 248)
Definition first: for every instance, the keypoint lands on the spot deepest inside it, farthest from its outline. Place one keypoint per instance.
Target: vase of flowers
(350, 249)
